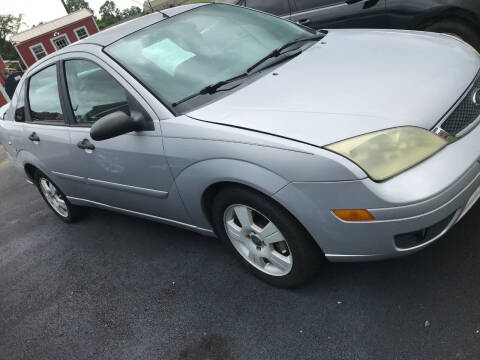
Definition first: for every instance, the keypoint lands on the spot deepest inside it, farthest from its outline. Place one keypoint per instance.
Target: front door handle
(85, 144)
(304, 21)
(34, 137)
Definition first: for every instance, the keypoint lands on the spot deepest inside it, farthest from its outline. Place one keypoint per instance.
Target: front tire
(265, 237)
(56, 199)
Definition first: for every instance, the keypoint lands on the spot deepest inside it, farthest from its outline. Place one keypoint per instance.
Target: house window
(60, 42)
(81, 32)
(38, 51)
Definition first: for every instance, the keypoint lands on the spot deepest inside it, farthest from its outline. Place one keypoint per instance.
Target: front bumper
(423, 203)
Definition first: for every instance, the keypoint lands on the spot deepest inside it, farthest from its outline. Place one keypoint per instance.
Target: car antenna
(164, 15)
(153, 10)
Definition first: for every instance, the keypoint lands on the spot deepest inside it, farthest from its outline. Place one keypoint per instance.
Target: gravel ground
(118, 287)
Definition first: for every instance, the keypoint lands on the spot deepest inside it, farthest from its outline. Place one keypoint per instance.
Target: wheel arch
(30, 163)
(200, 182)
(30, 171)
(209, 194)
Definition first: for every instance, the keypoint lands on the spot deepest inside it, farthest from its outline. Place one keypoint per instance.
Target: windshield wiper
(277, 52)
(212, 89)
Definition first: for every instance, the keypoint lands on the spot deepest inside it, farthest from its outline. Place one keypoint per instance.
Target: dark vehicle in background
(456, 17)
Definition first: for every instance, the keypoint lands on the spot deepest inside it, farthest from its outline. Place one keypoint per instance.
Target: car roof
(110, 35)
(116, 32)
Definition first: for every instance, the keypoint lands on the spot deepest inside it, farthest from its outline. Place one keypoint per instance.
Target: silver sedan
(292, 146)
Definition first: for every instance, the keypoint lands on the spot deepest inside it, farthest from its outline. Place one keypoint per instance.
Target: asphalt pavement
(119, 287)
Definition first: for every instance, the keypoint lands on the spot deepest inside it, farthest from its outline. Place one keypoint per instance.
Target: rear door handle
(304, 21)
(85, 144)
(367, 3)
(33, 137)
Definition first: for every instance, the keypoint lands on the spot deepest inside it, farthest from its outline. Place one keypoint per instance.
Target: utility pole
(65, 6)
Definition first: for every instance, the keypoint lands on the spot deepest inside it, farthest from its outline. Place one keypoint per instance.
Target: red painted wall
(24, 48)
(3, 101)
(2, 66)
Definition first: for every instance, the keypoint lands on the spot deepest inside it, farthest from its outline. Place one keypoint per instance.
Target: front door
(128, 172)
(324, 14)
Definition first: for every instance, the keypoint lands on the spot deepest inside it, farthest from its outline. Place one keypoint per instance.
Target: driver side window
(93, 92)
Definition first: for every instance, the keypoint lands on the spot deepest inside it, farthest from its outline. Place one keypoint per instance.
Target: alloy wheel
(53, 196)
(258, 240)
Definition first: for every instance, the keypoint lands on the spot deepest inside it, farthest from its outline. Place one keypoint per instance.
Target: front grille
(465, 114)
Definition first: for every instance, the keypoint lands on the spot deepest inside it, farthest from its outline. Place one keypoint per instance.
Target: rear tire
(462, 30)
(56, 199)
(265, 237)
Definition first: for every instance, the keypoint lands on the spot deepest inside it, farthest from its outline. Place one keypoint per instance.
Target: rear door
(11, 126)
(45, 138)
(321, 14)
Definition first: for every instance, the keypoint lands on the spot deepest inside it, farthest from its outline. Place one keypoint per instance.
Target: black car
(457, 17)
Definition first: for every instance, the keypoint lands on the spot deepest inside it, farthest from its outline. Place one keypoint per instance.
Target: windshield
(179, 56)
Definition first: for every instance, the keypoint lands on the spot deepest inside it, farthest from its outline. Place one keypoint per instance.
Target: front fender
(195, 179)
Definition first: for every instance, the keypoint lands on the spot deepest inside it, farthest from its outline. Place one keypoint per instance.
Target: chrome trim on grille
(438, 129)
(476, 96)
(469, 128)
(442, 133)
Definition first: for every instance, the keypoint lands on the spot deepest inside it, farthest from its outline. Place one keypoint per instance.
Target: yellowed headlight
(386, 153)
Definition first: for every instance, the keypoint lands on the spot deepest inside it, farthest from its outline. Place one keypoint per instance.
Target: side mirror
(117, 123)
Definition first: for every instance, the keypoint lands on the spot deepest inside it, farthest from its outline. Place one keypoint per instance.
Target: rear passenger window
(19, 113)
(277, 7)
(43, 97)
(93, 92)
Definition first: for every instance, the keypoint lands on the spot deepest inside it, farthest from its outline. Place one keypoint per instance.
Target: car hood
(353, 82)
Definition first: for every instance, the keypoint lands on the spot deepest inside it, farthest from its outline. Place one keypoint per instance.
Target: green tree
(9, 25)
(109, 14)
(132, 11)
(109, 9)
(75, 5)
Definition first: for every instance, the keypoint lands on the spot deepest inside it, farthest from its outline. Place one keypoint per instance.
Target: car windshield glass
(179, 56)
